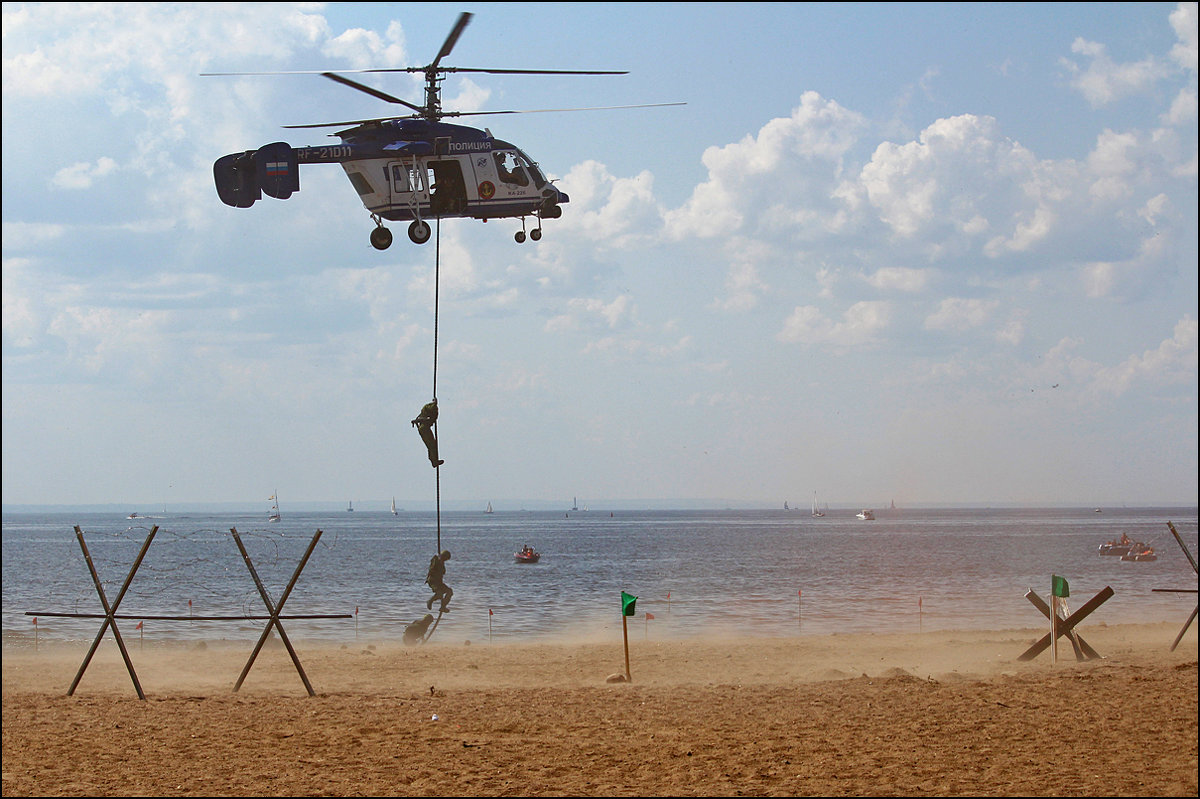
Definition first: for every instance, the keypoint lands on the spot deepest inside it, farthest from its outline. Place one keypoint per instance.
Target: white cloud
(959, 313)
(1183, 21)
(899, 278)
(1104, 81)
(608, 209)
(1013, 331)
(1183, 109)
(1112, 164)
(1108, 278)
(1172, 362)
(959, 182)
(83, 175)
(743, 280)
(861, 324)
(587, 312)
(787, 174)
(362, 49)
(24, 236)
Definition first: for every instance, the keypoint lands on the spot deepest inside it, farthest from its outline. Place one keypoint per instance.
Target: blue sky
(934, 253)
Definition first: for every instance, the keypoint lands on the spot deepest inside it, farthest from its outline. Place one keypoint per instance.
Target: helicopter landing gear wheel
(381, 238)
(419, 231)
(536, 234)
(520, 237)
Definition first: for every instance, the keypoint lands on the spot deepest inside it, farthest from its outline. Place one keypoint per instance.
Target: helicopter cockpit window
(509, 168)
(539, 179)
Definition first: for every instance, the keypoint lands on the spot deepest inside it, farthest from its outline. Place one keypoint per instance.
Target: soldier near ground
(417, 630)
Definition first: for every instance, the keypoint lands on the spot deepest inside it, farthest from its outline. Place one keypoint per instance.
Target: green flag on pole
(1059, 587)
(627, 604)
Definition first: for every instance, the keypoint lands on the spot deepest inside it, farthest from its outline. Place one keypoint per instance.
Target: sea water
(747, 572)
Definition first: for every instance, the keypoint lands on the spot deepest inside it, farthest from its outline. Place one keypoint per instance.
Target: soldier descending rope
(424, 424)
(435, 578)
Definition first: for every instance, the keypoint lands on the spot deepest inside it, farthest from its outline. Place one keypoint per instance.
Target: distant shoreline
(150, 510)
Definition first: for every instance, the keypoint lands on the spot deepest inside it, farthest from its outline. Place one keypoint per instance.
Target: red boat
(526, 555)
(1140, 554)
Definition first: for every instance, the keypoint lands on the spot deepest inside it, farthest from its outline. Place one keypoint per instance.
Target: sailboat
(274, 517)
(394, 506)
(816, 513)
(785, 505)
(489, 508)
(350, 507)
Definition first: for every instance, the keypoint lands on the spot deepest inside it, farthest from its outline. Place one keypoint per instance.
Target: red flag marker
(490, 613)
(649, 615)
(139, 626)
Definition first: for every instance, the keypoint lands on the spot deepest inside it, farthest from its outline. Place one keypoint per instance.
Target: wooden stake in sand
(1187, 554)
(110, 611)
(628, 603)
(274, 609)
(1059, 590)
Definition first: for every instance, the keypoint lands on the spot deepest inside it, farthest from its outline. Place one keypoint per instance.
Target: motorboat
(527, 555)
(1120, 547)
(1140, 554)
(866, 515)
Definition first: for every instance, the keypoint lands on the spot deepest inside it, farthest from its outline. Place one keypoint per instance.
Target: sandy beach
(935, 714)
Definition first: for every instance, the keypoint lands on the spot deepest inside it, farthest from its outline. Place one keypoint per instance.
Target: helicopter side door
(448, 188)
(408, 186)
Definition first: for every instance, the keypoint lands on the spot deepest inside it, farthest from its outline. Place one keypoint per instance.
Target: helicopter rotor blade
(557, 110)
(349, 123)
(482, 113)
(422, 69)
(368, 90)
(452, 39)
(448, 70)
(538, 71)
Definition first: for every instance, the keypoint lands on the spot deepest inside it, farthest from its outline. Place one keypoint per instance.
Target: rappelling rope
(437, 278)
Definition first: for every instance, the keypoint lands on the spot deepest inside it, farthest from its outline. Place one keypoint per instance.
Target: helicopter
(411, 168)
